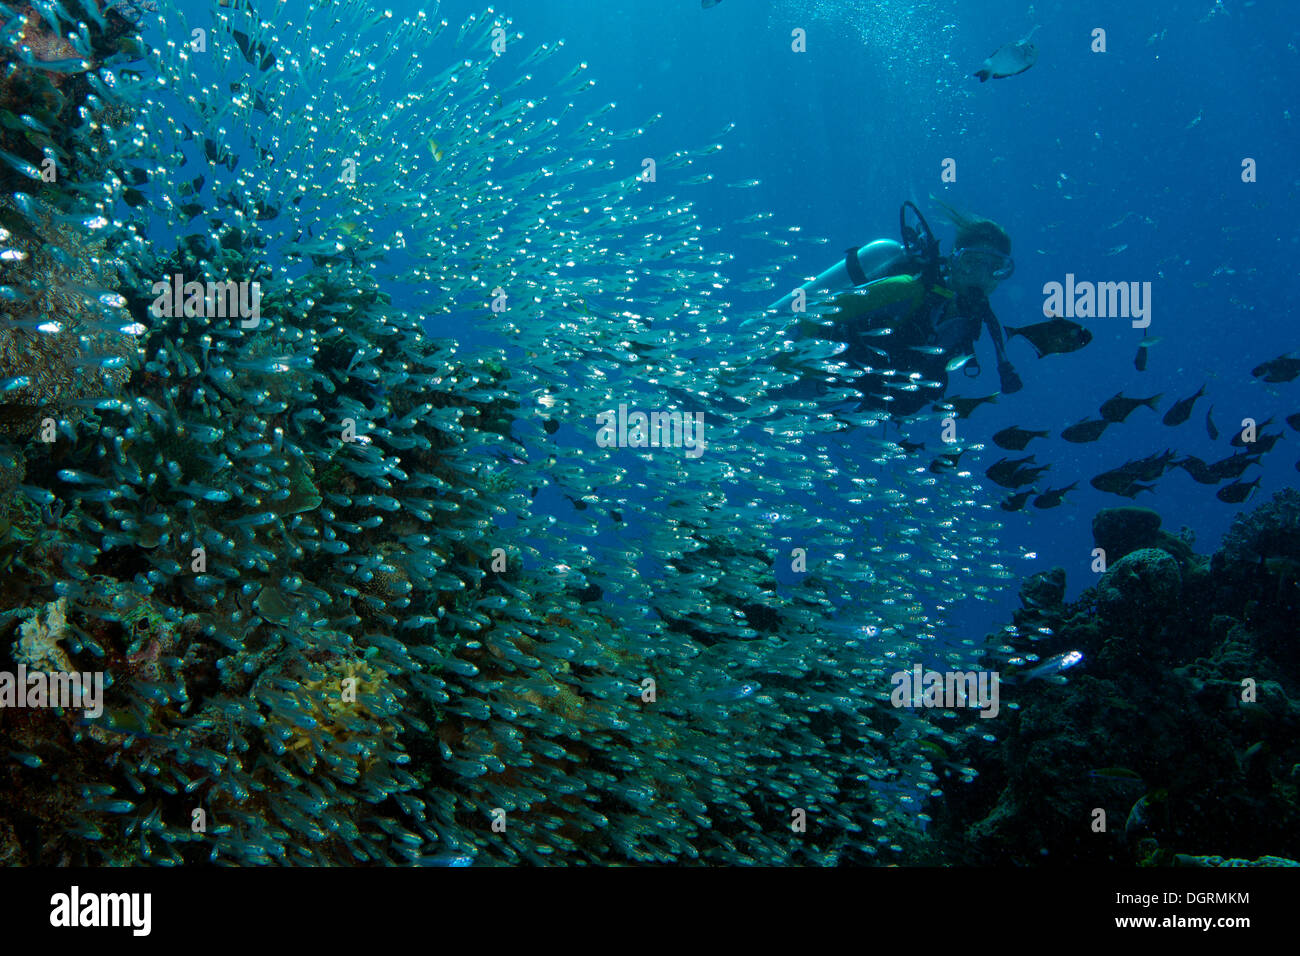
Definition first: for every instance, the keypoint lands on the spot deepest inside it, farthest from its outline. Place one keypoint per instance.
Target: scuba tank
(918, 252)
(860, 265)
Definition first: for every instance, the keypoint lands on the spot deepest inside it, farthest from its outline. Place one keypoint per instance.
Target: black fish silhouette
(1087, 430)
(1117, 408)
(1054, 337)
(1016, 438)
(1182, 409)
(1284, 368)
(1237, 492)
(1053, 496)
(1003, 471)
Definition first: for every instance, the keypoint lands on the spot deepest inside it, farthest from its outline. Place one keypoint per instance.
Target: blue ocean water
(1123, 165)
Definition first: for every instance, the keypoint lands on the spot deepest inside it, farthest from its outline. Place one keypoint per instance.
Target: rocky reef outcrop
(1175, 741)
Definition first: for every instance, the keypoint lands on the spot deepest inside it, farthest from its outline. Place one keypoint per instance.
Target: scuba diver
(907, 309)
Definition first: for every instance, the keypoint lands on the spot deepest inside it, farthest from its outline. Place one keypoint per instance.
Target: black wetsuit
(950, 322)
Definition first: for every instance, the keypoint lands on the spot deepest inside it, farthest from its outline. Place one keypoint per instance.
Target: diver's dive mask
(998, 264)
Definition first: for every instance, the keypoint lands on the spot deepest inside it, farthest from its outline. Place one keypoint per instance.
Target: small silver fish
(1054, 665)
(733, 692)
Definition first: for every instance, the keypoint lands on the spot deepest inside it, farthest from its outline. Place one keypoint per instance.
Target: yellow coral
(38, 644)
(338, 709)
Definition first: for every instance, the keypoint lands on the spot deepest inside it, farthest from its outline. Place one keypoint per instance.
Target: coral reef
(302, 551)
(1180, 726)
(38, 645)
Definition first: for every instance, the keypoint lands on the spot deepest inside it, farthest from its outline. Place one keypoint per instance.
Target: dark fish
(1284, 368)
(1294, 421)
(964, 406)
(1026, 476)
(1209, 425)
(1140, 360)
(1182, 409)
(1053, 496)
(1087, 430)
(1199, 470)
(1016, 438)
(255, 53)
(200, 246)
(910, 446)
(1117, 479)
(1113, 482)
(551, 426)
(946, 462)
(1008, 60)
(259, 104)
(1238, 442)
(1237, 492)
(1132, 490)
(1264, 443)
(1118, 408)
(1234, 465)
(218, 155)
(1053, 337)
(1151, 467)
(1017, 501)
(1003, 471)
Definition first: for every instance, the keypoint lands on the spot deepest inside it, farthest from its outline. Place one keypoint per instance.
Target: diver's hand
(1010, 380)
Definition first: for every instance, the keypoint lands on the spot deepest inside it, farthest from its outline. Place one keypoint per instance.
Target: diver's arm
(1006, 371)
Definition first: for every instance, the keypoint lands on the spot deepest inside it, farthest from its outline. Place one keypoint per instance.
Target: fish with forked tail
(1027, 476)
(1237, 492)
(1085, 431)
(1016, 438)
(1054, 337)
(1003, 471)
(964, 406)
(1199, 470)
(1053, 496)
(1284, 368)
(1234, 464)
(1117, 408)
(1017, 501)
(1182, 409)
(1009, 59)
